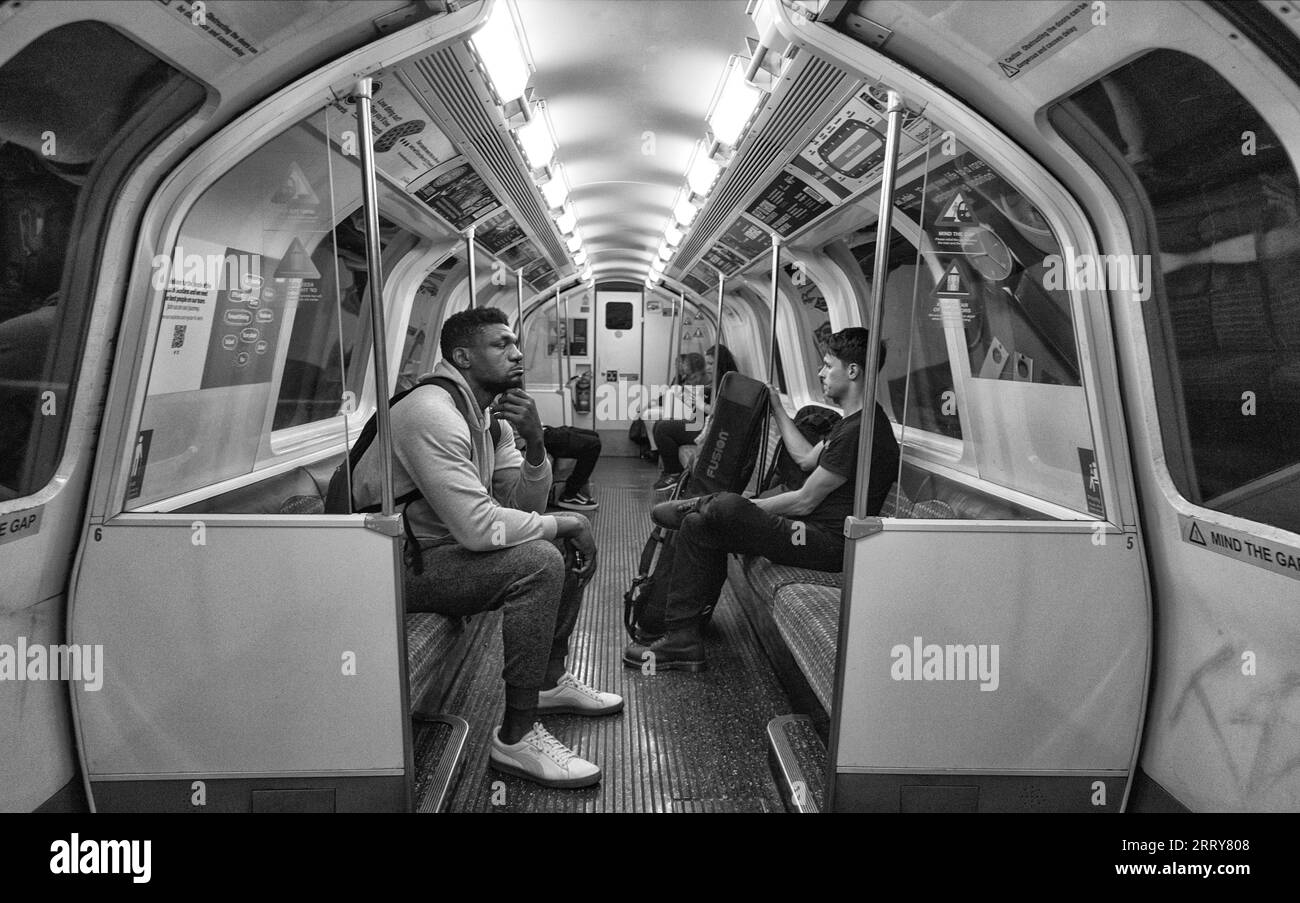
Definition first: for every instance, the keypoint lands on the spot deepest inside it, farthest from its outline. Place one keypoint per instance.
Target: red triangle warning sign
(1009, 71)
(295, 189)
(957, 211)
(952, 283)
(1194, 535)
(295, 264)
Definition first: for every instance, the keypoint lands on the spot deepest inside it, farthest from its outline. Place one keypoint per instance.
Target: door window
(58, 126)
(1223, 191)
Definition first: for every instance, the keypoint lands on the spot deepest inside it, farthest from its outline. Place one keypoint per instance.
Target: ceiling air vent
(815, 89)
(445, 78)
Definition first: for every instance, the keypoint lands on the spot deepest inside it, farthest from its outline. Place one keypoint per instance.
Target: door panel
(1010, 550)
(1057, 626)
(271, 648)
(618, 357)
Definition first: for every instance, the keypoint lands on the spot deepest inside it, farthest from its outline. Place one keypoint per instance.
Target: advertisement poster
(498, 232)
(788, 204)
(407, 144)
(458, 195)
(194, 274)
(746, 238)
(247, 310)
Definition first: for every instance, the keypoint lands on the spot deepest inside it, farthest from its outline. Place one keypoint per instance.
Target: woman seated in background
(675, 439)
(691, 371)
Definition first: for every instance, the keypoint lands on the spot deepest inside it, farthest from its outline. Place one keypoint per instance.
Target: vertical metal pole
(469, 255)
(672, 331)
(519, 308)
(519, 305)
(884, 232)
(568, 364)
(771, 351)
(559, 361)
(375, 282)
(717, 339)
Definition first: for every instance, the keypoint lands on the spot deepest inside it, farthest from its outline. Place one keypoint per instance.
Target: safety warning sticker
(197, 14)
(19, 524)
(1242, 546)
(1068, 24)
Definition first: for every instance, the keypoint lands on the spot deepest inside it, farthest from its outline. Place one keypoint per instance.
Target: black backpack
(337, 497)
(728, 454)
(814, 422)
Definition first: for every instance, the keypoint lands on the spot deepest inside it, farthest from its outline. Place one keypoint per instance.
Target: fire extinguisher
(582, 393)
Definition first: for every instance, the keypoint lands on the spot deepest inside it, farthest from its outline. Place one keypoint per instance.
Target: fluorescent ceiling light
(685, 211)
(673, 236)
(734, 106)
(575, 243)
(537, 141)
(580, 258)
(566, 221)
(657, 268)
(703, 172)
(665, 253)
(555, 191)
(499, 47)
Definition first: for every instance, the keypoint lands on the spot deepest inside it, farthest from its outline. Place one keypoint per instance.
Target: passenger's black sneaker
(667, 481)
(680, 650)
(577, 501)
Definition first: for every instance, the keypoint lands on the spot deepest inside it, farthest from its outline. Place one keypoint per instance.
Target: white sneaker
(539, 757)
(572, 697)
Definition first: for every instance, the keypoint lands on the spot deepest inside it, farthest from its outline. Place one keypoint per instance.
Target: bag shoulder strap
(458, 399)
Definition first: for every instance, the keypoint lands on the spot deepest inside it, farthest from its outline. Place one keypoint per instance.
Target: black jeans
(730, 523)
(578, 443)
(671, 435)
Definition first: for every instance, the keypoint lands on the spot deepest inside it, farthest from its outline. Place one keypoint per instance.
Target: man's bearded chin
(505, 384)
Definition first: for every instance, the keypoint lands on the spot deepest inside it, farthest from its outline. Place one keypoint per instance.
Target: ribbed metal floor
(684, 742)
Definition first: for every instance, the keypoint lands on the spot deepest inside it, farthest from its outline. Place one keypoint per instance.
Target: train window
(1223, 192)
(262, 322)
(59, 127)
(618, 315)
(318, 365)
(916, 375)
(814, 324)
(542, 348)
(419, 351)
(993, 358)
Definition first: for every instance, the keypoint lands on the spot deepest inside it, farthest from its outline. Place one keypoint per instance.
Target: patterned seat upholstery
(431, 641)
(808, 617)
(805, 604)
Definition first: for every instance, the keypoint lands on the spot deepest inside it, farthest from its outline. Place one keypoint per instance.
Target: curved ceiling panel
(627, 93)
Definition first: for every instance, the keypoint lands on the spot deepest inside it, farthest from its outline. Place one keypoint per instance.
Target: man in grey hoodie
(485, 543)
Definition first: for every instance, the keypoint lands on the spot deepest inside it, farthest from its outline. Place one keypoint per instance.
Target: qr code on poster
(178, 336)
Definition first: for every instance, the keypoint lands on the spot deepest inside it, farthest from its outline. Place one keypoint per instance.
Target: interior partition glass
(263, 322)
(991, 358)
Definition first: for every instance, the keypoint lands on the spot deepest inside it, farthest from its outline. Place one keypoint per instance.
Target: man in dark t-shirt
(803, 528)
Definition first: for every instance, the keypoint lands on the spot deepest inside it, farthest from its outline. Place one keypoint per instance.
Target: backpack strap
(458, 399)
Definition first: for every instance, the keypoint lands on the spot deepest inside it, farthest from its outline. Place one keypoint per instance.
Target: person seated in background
(691, 371)
(802, 528)
(672, 436)
(483, 542)
(584, 446)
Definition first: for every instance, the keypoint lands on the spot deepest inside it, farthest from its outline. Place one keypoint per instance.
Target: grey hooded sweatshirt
(490, 499)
